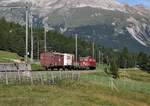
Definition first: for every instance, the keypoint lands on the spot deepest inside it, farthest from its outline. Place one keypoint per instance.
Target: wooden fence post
(53, 78)
(78, 76)
(60, 75)
(41, 78)
(18, 71)
(6, 77)
(72, 75)
(31, 78)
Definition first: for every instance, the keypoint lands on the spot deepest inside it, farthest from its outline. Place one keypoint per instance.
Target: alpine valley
(105, 22)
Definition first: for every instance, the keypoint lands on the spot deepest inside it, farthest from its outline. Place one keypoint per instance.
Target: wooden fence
(38, 77)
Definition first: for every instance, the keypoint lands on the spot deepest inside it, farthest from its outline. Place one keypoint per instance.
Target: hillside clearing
(8, 56)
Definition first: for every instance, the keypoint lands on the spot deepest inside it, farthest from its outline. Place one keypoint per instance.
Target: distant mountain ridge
(105, 22)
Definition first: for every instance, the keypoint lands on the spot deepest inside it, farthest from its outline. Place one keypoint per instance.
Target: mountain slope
(127, 26)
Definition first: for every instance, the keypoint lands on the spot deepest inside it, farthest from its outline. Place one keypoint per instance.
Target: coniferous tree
(114, 69)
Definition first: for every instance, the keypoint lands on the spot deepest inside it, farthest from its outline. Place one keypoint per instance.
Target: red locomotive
(87, 63)
(53, 60)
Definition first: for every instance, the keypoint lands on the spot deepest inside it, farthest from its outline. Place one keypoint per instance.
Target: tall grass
(122, 83)
(70, 93)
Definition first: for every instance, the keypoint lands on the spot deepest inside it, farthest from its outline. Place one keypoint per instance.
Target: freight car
(53, 60)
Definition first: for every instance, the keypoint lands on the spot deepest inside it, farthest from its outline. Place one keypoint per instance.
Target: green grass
(70, 93)
(135, 74)
(8, 56)
(132, 80)
(36, 67)
(91, 90)
(46, 95)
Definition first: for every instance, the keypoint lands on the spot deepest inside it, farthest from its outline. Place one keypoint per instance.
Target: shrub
(114, 69)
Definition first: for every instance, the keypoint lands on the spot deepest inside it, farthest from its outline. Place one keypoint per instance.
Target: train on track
(65, 61)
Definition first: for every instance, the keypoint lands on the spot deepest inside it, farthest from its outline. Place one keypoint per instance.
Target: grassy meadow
(8, 56)
(132, 89)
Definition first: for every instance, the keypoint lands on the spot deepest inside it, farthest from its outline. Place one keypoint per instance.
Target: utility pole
(102, 58)
(108, 61)
(135, 64)
(32, 39)
(26, 13)
(93, 46)
(99, 57)
(76, 46)
(26, 56)
(45, 40)
(38, 50)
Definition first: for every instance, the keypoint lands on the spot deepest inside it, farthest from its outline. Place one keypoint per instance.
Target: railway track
(81, 71)
(34, 71)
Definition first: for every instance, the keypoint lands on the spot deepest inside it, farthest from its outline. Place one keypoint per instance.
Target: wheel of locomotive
(69, 68)
(92, 68)
(64, 68)
(52, 68)
(46, 68)
(58, 68)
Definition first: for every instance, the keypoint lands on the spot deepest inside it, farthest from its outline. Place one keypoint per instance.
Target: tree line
(12, 38)
(124, 59)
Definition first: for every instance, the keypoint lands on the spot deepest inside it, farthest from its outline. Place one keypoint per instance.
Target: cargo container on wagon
(53, 60)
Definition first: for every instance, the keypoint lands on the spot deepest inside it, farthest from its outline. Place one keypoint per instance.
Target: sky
(134, 2)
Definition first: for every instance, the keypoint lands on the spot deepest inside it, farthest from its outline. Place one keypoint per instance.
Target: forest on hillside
(12, 38)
